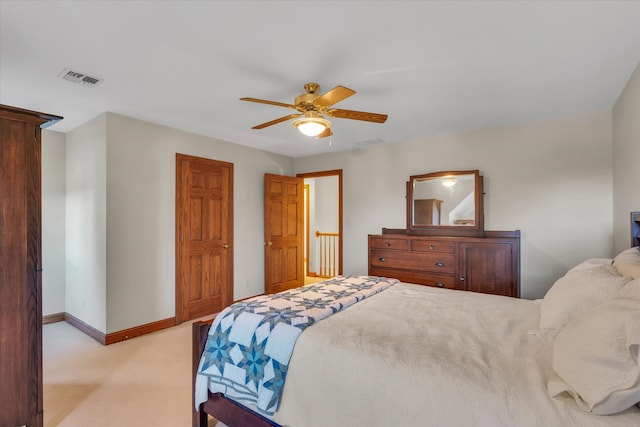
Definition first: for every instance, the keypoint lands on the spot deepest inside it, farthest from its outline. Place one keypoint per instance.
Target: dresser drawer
(421, 261)
(448, 282)
(432, 246)
(435, 280)
(384, 243)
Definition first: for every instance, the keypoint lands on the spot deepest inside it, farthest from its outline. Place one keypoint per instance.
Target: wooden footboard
(199, 338)
(222, 409)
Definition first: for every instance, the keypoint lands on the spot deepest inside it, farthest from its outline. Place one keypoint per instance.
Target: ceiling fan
(311, 106)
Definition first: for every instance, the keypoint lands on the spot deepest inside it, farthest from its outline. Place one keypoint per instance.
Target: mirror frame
(476, 229)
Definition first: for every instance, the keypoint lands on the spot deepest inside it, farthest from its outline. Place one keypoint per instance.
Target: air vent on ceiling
(80, 78)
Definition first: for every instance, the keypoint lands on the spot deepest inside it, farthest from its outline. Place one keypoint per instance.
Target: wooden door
(204, 236)
(284, 232)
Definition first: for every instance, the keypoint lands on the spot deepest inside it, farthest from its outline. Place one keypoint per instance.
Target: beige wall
(626, 159)
(120, 218)
(141, 216)
(86, 223)
(554, 180)
(53, 222)
(549, 179)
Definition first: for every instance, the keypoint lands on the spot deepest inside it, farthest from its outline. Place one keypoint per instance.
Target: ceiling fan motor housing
(305, 101)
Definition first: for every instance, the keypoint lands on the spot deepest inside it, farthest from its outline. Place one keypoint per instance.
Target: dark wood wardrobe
(20, 267)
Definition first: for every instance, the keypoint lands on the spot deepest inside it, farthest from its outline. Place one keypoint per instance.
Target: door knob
(269, 243)
(226, 246)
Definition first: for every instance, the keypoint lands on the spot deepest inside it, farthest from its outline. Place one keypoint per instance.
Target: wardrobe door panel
(20, 267)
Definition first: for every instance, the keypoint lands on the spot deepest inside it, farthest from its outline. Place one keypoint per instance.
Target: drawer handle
(387, 244)
(382, 259)
(439, 264)
(432, 247)
(440, 285)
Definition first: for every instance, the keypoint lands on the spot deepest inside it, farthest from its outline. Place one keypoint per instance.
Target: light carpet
(142, 382)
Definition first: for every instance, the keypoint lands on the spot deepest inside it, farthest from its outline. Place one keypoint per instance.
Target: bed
(412, 355)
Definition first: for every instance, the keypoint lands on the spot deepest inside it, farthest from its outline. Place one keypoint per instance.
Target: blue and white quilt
(250, 342)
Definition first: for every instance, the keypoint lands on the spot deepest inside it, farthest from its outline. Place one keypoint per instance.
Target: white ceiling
(433, 67)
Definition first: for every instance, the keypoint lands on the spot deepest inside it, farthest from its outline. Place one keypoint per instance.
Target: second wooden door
(284, 232)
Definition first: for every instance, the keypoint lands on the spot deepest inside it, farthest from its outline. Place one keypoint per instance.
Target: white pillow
(590, 264)
(584, 286)
(628, 262)
(596, 358)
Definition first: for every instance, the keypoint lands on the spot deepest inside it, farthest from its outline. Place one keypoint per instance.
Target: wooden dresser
(20, 268)
(489, 263)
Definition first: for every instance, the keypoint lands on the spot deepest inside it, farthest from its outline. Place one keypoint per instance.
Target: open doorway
(322, 225)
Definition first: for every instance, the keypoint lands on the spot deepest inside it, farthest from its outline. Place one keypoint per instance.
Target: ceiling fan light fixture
(449, 181)
(312, 126)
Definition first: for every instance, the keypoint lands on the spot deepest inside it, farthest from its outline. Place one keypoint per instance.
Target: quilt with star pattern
(250, 342)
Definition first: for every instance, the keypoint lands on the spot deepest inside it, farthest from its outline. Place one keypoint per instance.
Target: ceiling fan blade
(264, 101)
(276, 121)
(327, 132)
(357, 115)
(334, 96)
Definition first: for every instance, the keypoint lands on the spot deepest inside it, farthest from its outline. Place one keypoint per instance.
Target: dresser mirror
(442, 201)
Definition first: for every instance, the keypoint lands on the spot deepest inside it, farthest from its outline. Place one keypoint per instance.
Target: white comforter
(419, 356)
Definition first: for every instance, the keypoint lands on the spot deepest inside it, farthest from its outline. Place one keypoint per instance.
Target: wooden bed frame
(222, 409)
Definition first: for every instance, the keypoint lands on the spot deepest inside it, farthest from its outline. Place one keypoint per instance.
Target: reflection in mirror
(443, 200)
